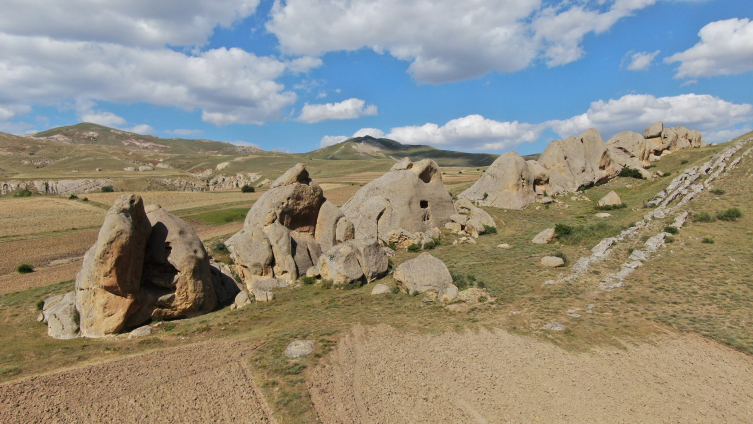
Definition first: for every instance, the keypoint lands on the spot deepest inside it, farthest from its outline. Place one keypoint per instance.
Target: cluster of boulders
(59, 187)
(146, 264)
(229, 182)
(469, 220)
(511, 182)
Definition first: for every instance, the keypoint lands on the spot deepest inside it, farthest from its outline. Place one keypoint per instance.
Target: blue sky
(294, 75)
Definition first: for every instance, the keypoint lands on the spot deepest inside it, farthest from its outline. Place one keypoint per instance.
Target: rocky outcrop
(230, 182)
(181, 184)
(340, 265)
(411, 196)
(508, 183)
(423, 274)
(226, 289)
(637, 151)
(59, 312)
(108, 285)
(472, 219)
(59, 187)
(578, 161)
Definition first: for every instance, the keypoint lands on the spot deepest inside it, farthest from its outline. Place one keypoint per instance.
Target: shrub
(25, 269)
(326, 284)
(684, 162)
(107, 189)
(459, 280)
(561, 256)
(23, 193)
(481, 284)
(415, 247)
(482, 299)
(170, 326)
(562, 230)
(630, 173)
(247, 189)
(220, 247)
(40, 304)
(308, 280)
(718, 191)
(731, 214)
(430, 245)
(72, 197)
(488, 229)
(707, 240)
(667, 174)
(671, 230)
(610, 207)
(85, 199)
(392, 245)
(703, 217)
(669, 239)
(437, 241)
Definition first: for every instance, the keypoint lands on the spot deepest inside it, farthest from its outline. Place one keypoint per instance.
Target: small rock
(603, 215)
(381, 289)
(242, 299)
(554, 326)
(312, 271)
(427, 300)
(141, 332)
(552, 261)
(449, 293)
(611, 199)
(504, 246)
(546, 200)
(299, 348)
(544, 237)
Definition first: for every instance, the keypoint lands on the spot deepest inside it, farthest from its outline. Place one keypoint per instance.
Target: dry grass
(40, 251)
(177, 200)
(23, 217)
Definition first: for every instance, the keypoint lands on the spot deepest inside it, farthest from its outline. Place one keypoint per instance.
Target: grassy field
(689, 286)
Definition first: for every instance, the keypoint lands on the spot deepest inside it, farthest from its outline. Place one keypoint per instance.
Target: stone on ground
(381, 289)
(340, 265)
(507, 183)
(142, 331)
(299, 348)
(425, 273)
(61, 317)
(611, 199)
(544, 237)
(552, 261)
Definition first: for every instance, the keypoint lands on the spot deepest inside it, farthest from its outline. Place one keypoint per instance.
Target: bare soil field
(14, 282)
(201, 383)
(44, 214)
(177, 200)
(379, 375)
(40, 251)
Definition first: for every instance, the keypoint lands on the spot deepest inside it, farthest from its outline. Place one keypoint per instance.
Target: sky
(297, 75)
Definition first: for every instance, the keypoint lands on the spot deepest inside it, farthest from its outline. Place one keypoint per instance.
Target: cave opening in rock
(424, 204)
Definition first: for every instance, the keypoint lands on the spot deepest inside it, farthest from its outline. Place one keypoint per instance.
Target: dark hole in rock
(424, 204)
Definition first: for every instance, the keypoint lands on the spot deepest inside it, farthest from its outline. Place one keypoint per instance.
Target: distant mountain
(93, 134)
(364, 148)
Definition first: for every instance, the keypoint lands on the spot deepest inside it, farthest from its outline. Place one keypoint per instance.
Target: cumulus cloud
(228, 85)
(107, 119)
(448, 40)
(716, 118)
(641, 61)
(142, 129)
(329, 140)
(726, 48)
(183, 132)
(347, 109)
(127, 22)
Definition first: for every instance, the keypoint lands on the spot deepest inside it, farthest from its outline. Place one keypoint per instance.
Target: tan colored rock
(261, 287)
(340, 265)
(630, 149)
(296, 174)
(282, 248)
(61, 317)
(544, 237)
(306, 251)
(402, 238)
(448, 293)
(454, 227)
(466, 208)
(345, 230)
(414, 199)
(381, 289)
(372, 258)
(540, 177)
(507, 183)
(552, 261)
(578, 161)
(327, 224)
(460, 219)
(404, 163)
(669, 139)
(108, 285)
(653, 130)
(611, 199)
(252, 250)
(422, 274)
(223, 279)
(503, 246)
(176, 280)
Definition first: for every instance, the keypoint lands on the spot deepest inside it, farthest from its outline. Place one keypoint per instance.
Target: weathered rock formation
(508, 183)
(611, 199)
(59, 187)
(469, 220)
(229, 182)
(423, 274)
(544, 237)
(411, 197)
(59, 312)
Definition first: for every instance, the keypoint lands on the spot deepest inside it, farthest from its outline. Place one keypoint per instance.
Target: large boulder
(61, 317)
(340, 265)
(611, 199)
(507, 183)
(282, 248)
(544, 237)
(372, 259)
(578, 161)
(467, 209)
(425, 273)
(327, 223)
(630, 149)
(109, 283)
(411, 196)
(226, 289)
(176, 281)
(653, 130)
(540, 177)
(253, 251)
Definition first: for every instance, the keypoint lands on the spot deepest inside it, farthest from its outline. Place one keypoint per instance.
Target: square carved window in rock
(424, 204)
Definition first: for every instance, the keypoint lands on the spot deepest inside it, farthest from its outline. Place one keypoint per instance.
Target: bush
(220, 247)
(85, 199)
(630, 173)
(488, 229)
(247, 189)
(707, 240)
(669, 239)
(308, 280)
(430, 245)
(107, 189)
(482, 299)
(718, 191)
(562, 230)
(25, 269)
(731, 214)
(415, 247)
(610, 207)
(684, 162)
(40, 304)
(667, 174)
(392, 245)
(23, 193)
(170, 326)
(703, 217)
(481, 284)
(72, 197)
(437, 241)
(459, 280)
(671, 230)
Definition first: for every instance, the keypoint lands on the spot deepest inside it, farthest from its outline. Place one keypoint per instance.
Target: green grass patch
(707, 240)
(585, 234)
(671, 230)
(731, 214)
(23, 193)
(222, 216)
(630, 173)
(610, 207)
(718, 191)
(703, 217)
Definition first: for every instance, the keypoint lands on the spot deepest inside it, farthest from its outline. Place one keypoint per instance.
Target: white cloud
(228, 85)
(183, 132)
(641, 61)
(329, 140)
(142, 129)
(374, 132)
(635, 112)
(726, 48)
(107, 119)
(127, 22)
(347, 109)
(718, 120)
(447, 40)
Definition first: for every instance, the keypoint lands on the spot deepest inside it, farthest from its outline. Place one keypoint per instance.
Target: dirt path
(204, 383)
(381, 375)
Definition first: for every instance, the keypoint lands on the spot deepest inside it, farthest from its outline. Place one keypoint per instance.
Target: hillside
(367, 148)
